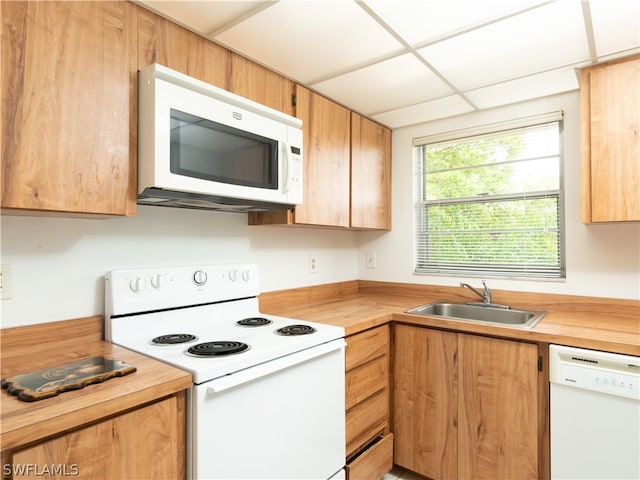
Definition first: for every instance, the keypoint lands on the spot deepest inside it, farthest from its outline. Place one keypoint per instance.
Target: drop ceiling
(403, 62)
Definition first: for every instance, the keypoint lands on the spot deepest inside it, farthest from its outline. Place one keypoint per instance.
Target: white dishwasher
(595, 414)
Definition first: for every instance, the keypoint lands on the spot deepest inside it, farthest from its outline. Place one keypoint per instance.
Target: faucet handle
(487, 292)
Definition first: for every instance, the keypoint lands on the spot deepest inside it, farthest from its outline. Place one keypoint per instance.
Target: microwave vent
(169, 198)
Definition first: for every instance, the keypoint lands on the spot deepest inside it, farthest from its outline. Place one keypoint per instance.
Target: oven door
(283, 419)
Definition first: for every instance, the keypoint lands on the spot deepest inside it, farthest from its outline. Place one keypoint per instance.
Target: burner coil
(218, 348)
(173, 338)
(293, 330)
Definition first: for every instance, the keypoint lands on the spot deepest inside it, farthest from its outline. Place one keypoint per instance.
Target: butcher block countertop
(596, 323)
(31, 348)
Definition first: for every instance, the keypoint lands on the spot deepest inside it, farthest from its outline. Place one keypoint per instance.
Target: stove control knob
(158, 281)
(246, 275)
(138, 284)
(233, 275)
(199, 277)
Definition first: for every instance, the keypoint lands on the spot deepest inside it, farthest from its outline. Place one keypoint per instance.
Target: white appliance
(268, 399)
(595, 414)
(200, 146)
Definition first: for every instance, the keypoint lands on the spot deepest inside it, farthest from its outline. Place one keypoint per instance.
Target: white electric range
(268, 395)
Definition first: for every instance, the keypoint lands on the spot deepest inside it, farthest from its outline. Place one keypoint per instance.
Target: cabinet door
(370, 174)
(144, 443)
(326, 129)
(261, 85)
(164, 42)
(68, 121)
(611, 141)
(497, 408)
(425, 401)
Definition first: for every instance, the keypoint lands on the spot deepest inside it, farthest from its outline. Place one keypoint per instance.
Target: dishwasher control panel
(605, 372)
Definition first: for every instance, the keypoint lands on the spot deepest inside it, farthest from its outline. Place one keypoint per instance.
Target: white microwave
(200, 146)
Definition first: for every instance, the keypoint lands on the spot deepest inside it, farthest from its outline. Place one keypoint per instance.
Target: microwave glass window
(208, 150)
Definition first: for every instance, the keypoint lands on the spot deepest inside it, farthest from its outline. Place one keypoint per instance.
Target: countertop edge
(24, 423)
(586, 322)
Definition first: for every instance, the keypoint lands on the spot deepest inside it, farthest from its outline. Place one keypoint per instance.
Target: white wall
(602, 260)
(57, 265)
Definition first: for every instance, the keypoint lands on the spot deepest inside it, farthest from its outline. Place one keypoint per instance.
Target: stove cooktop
(204, 319)
(186, 328)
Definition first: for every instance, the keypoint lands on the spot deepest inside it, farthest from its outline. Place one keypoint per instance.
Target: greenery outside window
(491, 204)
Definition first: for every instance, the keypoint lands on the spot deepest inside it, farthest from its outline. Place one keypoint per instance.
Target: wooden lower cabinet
(425, 401)
(369, 443)
(148, 442)
(467, 406)
(374, 461)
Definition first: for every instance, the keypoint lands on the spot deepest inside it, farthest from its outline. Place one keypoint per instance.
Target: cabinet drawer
(365, 346)
(374, 462)
(366, 420)
(365, 380)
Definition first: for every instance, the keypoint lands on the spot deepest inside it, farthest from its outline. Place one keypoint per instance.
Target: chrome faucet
(485, 296)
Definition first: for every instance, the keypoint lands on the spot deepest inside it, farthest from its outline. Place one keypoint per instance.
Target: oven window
(208, 150)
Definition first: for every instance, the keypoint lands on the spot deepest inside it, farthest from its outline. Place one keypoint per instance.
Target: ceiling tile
(527, 88)
(424, 112)
(203, 17)
(312, 40)
(390, 84)
(418, 21)
(616, 25)
(548, 37)
(494, 52)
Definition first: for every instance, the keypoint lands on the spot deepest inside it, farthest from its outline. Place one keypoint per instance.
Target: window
(491, 203)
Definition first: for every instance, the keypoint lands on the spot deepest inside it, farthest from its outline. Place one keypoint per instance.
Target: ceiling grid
(404, 62)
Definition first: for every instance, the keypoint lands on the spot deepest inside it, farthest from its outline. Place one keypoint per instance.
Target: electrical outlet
(313, 264)
(5, 282)
(370, 260)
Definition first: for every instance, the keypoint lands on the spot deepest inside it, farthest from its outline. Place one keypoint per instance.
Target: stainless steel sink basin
(481, 313)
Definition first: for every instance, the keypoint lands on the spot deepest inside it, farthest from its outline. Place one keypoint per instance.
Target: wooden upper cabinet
(326, 129)
(347, 169)
(370, 174)
(166, 43)
(253, 81)
(68, 126)
(610, 95)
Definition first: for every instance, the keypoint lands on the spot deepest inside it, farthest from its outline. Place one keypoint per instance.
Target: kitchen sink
(481, 313)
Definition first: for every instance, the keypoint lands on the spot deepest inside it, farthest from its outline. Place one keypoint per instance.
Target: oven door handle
(238, 378)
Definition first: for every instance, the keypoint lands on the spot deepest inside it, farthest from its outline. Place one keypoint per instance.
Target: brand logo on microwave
(237, 115)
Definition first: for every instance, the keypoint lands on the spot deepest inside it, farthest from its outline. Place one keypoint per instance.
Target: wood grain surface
(610, 144)
(24, 423)
(67, 124)
(589, 322)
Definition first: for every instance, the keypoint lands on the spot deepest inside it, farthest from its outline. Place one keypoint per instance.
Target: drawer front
(365, 346)
(366, 420)
(374, 462)
(365, 380)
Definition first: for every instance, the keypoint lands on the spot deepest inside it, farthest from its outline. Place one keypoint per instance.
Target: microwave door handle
(287, 157)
